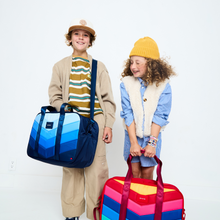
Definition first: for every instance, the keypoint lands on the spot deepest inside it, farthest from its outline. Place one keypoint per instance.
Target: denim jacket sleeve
(127, 112)
(164, 106)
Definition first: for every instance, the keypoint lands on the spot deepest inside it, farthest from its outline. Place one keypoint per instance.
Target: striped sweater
(80, 87)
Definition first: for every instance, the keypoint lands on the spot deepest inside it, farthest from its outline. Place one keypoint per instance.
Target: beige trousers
(88, 181)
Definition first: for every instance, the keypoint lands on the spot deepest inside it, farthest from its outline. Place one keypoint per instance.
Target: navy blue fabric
(59, 131)
(93, 83)
(84, 153)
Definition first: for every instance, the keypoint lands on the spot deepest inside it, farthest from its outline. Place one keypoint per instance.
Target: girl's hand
(135, 150)
(149, 151)
(107, 135)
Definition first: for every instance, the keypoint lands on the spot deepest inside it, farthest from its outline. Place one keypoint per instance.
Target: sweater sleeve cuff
(110, 121)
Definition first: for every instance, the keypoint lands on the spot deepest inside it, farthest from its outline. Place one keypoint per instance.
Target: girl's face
(138, 66)
(80, 40)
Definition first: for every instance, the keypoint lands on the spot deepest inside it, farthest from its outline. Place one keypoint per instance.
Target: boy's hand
(107, 135)
(67, 108)
(135, 150)
(149, 151)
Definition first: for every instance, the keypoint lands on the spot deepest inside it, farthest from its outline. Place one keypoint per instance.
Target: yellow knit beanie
(145, 47)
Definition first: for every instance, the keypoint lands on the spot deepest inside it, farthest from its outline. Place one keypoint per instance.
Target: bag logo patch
(49, 125)
(142, 198)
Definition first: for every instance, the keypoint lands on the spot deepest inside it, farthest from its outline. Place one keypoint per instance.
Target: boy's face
(138, 66)
(80, 40)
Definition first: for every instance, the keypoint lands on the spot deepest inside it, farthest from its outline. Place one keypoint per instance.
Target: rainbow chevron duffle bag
(127, 198)
(65, 138)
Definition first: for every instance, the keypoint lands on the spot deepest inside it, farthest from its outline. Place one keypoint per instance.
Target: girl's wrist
(153, 141)
(133, 141)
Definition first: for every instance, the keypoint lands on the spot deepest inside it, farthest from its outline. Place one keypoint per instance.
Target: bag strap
(126, 188)
(97, 208)
(125, 193)
(93, 85)
(62, 111)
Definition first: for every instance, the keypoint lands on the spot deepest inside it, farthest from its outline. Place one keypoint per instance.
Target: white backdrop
(32, 40)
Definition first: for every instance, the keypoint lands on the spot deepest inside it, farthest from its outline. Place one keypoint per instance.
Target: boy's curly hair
(68, 37)
(157, 71)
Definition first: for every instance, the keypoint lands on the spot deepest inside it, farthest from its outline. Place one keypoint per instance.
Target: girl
(70, 83)
(146, 103)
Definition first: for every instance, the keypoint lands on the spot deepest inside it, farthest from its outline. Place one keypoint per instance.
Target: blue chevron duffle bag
(65, 138)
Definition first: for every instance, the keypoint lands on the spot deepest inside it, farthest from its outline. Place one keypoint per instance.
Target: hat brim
(90, 30)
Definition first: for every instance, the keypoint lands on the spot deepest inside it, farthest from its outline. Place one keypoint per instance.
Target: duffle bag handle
(126, 189)
(48, 107)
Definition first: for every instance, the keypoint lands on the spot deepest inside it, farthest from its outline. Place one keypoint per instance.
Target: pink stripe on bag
(113, 194)
(143, 209)
(150, 209)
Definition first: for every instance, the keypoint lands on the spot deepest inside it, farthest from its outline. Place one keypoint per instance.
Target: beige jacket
(59, 88)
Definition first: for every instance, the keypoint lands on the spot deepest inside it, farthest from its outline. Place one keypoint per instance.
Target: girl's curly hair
(157, 71)
(68, 37)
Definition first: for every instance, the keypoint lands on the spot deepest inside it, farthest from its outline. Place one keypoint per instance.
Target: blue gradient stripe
(105, 218)
(32, 142)
(69, 118)
(73, 135)
(48, 133)
(37, 119)
(47, 138)
(50, 152)
(35, 125)
(109, 213)
(47, 143)
(112, 207)
(70, 127)
(33, 133)
(51, 116)
(67, 146)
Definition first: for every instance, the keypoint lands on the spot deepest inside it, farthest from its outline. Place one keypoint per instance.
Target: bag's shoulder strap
(93, 85)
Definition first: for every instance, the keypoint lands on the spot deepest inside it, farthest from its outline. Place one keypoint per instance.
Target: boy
(70, 83)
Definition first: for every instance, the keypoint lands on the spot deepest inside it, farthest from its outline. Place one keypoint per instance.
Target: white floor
(29, 205)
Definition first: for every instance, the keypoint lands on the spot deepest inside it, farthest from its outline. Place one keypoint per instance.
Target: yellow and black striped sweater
(80, 87)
